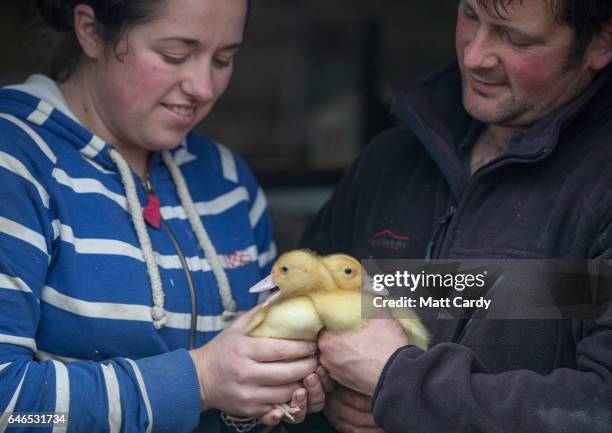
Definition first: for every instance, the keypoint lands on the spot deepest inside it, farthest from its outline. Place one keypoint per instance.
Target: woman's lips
(181, 114)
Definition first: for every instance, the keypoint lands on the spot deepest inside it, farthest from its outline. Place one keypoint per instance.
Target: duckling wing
(256, 320)
(293, 318)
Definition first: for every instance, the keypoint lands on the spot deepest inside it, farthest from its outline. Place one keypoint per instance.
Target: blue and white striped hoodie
(76, 333)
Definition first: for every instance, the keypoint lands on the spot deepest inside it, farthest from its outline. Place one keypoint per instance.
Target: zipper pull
(151, 212)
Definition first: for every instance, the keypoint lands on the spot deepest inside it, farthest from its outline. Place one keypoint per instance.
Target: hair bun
(57, 13)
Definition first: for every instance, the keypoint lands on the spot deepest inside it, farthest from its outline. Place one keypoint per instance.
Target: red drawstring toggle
(151, 212)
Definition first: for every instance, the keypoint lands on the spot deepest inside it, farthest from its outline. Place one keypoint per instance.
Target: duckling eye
(284, 269)
(348, 271)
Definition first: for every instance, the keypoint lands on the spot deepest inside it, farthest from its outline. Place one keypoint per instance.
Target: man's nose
(480, 53)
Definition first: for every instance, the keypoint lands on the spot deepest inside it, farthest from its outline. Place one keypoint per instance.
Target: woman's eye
(174, 59)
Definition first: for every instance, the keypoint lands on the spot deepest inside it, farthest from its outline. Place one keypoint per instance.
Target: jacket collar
(433, 109)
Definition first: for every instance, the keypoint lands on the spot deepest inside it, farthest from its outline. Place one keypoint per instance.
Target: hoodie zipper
(192, 292)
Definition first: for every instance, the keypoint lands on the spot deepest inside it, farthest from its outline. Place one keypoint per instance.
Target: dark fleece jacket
(548, 196)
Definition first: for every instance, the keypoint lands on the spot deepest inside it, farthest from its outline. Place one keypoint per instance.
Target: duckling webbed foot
(288, 411)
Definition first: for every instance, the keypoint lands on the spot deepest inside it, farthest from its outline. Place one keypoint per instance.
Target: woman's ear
(599, 52)
(85, 30)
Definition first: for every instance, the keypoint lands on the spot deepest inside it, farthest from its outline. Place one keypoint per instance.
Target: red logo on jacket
(388, 240)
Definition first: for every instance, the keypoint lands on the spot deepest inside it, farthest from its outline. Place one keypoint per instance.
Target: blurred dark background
(311, 87)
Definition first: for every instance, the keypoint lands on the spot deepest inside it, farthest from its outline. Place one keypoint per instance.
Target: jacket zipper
(464, 324)
(192, 292)
(438, 234)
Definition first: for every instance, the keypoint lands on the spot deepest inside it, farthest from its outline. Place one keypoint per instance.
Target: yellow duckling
(344, 310)
(317, 292)
(290, 313)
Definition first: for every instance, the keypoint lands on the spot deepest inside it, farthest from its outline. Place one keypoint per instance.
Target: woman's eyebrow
(194, 42)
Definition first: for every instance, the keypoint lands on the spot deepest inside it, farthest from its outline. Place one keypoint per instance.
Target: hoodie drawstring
(158, 313)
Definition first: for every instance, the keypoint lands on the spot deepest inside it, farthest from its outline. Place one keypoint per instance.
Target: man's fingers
(274, 349)
(339, 413)
(327, 382)
(316, 395)
(353, 398)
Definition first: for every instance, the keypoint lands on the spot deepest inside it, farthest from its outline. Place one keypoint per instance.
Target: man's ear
(599, 52)
(85, 30)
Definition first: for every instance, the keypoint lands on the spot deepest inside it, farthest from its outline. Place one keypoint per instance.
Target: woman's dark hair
(112, 19)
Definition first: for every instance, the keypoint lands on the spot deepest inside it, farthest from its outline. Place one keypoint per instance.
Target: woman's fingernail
(311, 381)
(301, 397)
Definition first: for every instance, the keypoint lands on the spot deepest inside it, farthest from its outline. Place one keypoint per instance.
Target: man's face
(515, 68)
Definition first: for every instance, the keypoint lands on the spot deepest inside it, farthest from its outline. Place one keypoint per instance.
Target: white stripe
(33, 135)
(100, 246)
(88, 186)
(28, 343)
(8, 410)
(95, 164)
(23, 233)
(93, 148)
(3, 366)
(62, 394)
(258, 208)
(41, 355)
(13, 165)
(56, 225)
(107, 310)
(13, 283)
(212, 207)
(228, 163)
(119, 248)
(267, 256)
(114, 400)
(183, 156)
(97, 310)
(203, 323)
(41, 114)
(145, 396)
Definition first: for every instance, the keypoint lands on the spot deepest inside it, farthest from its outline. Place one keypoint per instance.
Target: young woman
(127, 241)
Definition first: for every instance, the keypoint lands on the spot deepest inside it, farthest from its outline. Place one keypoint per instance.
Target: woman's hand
(309, 399)
(247, 376)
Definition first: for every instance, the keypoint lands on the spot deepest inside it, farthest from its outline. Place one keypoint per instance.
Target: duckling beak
(266, 284)
(367, 286)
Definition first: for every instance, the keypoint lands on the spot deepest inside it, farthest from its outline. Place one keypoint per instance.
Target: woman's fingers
(279, 373)
(273, 349)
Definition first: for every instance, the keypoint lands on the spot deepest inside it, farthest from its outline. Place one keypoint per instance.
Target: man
(507, 154)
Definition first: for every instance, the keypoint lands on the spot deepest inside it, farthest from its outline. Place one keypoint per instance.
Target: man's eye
(222, 63)
(514, 41)
(469, 13)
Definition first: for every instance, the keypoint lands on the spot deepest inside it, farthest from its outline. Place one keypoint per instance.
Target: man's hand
(350, 412)
(247, 376)
(356, 359)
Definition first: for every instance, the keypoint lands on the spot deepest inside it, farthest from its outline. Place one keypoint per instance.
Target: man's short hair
(586, 17)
